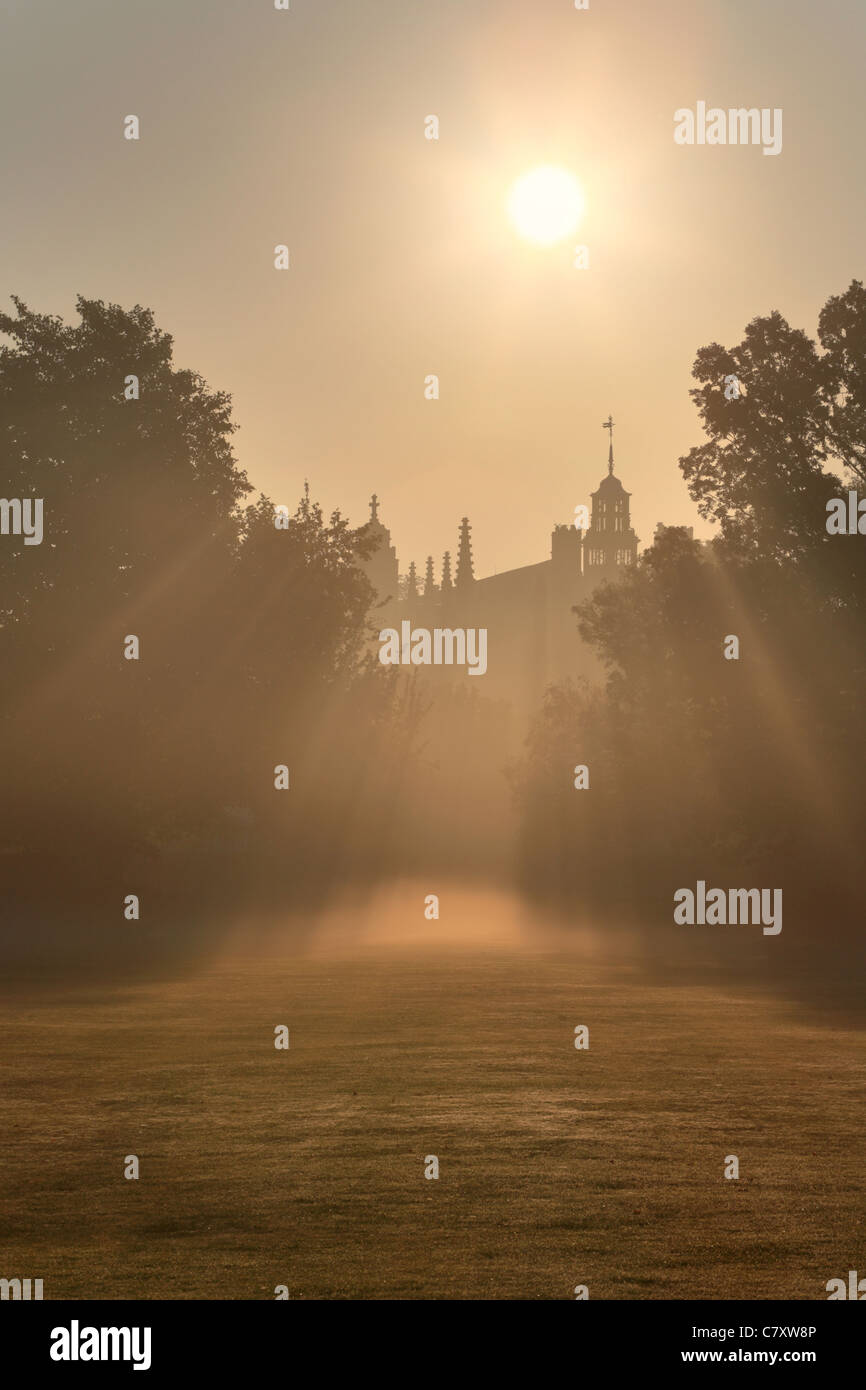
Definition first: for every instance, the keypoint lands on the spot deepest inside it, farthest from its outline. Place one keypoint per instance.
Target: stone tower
(381, 566)
(610, 541)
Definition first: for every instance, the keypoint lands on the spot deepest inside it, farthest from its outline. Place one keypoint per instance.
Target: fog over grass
(305, 1167)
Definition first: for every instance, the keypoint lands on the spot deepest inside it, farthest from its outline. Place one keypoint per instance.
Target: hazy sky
(307, 127)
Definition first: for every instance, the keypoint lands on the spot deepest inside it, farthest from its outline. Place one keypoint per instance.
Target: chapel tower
(381, 567)
(610, 543)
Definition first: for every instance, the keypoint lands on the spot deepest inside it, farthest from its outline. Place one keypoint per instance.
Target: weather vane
(608, 425)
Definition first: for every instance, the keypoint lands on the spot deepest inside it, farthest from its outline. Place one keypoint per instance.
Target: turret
(381, 566)
(465, 576)
(446, 586)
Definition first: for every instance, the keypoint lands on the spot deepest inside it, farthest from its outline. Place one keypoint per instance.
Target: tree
(842, 333)
(135, 491)
(761, 473)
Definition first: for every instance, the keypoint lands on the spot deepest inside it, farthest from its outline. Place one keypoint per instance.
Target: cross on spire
(374, 508)
(608, 425)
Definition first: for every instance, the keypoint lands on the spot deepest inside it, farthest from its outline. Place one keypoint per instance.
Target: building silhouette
(532, 636)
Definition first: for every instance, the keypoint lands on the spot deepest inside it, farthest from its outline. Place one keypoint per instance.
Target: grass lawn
(305, 1167)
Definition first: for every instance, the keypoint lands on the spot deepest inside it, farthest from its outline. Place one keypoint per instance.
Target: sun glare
(545, 205)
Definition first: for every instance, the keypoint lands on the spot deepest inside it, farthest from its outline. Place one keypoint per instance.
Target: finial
(608, 425)
(374, 508)
(465, 576)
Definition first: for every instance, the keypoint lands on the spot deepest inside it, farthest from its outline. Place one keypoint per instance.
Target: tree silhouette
(747, 770)
(153, 775)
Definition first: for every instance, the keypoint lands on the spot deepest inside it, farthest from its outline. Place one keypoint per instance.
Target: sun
(546, 205)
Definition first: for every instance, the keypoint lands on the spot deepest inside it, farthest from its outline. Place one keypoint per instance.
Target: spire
(429, 581)
(465, 577)
(446, 572)
(412, 582)
(374, 508)
(608, 425)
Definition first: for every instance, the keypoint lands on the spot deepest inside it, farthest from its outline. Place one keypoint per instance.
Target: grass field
(306, 1168)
